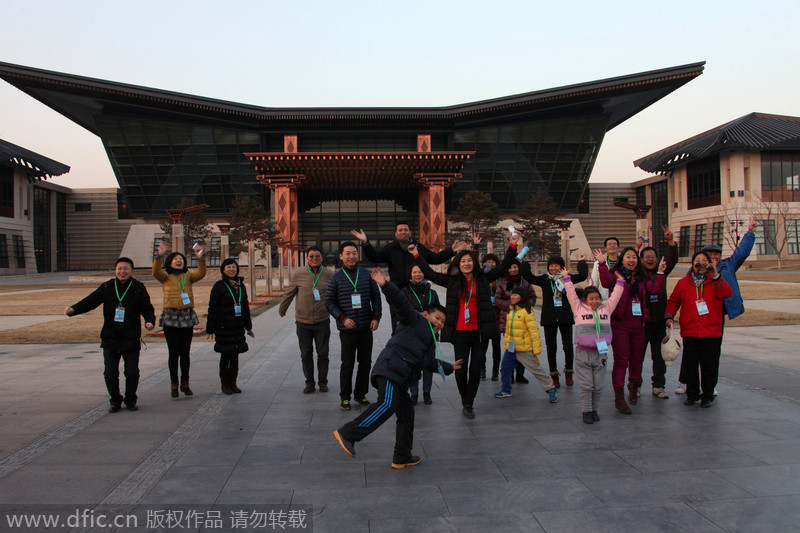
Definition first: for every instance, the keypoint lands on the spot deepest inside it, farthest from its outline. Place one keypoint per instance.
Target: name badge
(636, 308)
(466, 315)
(557, 302)
(237, 309)
(185, 298)
(653, 298)
(316, 295)
(119, 314)
(702, 308)
(492, 300)
(511, 346)
(602, 346)
(355, 299)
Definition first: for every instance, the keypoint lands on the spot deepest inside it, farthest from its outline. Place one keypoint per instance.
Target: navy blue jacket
(227, 328)
(340, 305)
(399, 260)
(121, 336)
(411, 349)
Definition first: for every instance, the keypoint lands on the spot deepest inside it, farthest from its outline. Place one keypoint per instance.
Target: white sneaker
(681, 389)
(715, 391)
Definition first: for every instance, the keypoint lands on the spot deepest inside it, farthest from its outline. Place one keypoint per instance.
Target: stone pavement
(521, 465)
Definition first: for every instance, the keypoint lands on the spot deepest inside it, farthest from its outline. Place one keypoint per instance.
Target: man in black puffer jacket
(354, 301)
(411, 350)
(124, 300)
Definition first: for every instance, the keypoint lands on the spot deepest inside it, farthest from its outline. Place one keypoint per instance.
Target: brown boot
(619, 401)
(224, 379)
(174, 389)
(633, 392)
(568, 377)
(554, 376)
(234, 373)
(185, 387)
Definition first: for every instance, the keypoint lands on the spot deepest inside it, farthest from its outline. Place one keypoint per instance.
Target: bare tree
(783, 214)
(537, 222)
(247, 218)
(734, 219)
(476, 214)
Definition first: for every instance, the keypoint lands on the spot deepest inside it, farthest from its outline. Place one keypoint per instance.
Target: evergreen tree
(476, 214)
(248, 217)
(537, 223)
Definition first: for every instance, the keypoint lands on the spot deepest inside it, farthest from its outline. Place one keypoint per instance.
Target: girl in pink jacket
(592, 339)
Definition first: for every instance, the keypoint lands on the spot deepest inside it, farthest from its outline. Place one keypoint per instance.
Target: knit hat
(229, 261)
(556, 260)
(522, 292)
(712, 248)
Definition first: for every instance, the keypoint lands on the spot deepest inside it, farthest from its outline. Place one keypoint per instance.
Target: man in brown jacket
(311, 316)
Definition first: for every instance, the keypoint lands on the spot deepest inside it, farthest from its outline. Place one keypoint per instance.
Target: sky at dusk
(374, 54)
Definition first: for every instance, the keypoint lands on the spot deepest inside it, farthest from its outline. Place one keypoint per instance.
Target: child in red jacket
(700, 297)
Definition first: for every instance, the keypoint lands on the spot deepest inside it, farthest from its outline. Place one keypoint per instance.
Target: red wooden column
(431, 211)
(286, 209)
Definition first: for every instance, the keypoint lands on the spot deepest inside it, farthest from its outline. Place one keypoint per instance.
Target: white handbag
(671, 346)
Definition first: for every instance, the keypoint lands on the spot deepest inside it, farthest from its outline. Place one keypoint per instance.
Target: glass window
(699, 237)
(765, 232)
(780, 176)
(41, 229)
(6, 192)
(717, 233)
(19, 251)
(83, 207)
(703, 184)
(793, 236)
(3, 251)
(684, 241)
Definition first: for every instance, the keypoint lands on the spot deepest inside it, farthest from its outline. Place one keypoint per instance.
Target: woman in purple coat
(628, 321)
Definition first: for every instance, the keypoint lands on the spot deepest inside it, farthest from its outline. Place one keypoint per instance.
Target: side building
(711, 184)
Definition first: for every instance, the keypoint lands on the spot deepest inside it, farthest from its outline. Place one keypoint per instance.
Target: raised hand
(516, 239)
(360, 235)
(599, 256)
(412, 249)
(162, 248)
(668, 234)
(662, 265)
(476, 238)
(378, 276)
(148, 326)
(199, 252)
(459, 245)
(752, 225)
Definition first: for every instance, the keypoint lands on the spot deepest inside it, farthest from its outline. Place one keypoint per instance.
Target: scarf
(698, 279)
(558, 281)
(512, 281)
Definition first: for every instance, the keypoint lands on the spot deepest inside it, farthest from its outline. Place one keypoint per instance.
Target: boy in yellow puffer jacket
(523, 344)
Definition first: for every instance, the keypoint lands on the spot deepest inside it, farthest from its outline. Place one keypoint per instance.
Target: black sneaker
(114, 407)
(522, 379)
(705, 403)
(688, 401)
(348, 445)
(495, 377)
(364, 402)
(483, 375)
(468, 412)
(587, 418)
(426, 397)
(414, 399)
(595, 416)
(411, 461)
(132, 407)
(345, 405)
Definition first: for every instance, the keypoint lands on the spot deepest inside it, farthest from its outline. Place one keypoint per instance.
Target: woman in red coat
(700, 297)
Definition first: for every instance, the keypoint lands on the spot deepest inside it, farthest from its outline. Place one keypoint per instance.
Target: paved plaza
(521, 465)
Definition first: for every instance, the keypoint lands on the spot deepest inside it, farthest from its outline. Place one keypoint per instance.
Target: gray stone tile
(445, 449)
(207, 450)
(773, 480)
(273, 454)
(281, 497)
(662, 487)
(691, 457)
(646, 519)
(189, 485)
(753, 515)
(546, 466)
(323, 476)
(61, 483)
(774, 452)
(527, 496)
(437, 472)
(82, 449)
(496, 523)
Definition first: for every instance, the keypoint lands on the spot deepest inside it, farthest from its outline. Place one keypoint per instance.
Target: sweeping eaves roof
(756, 131)
(35, 165)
